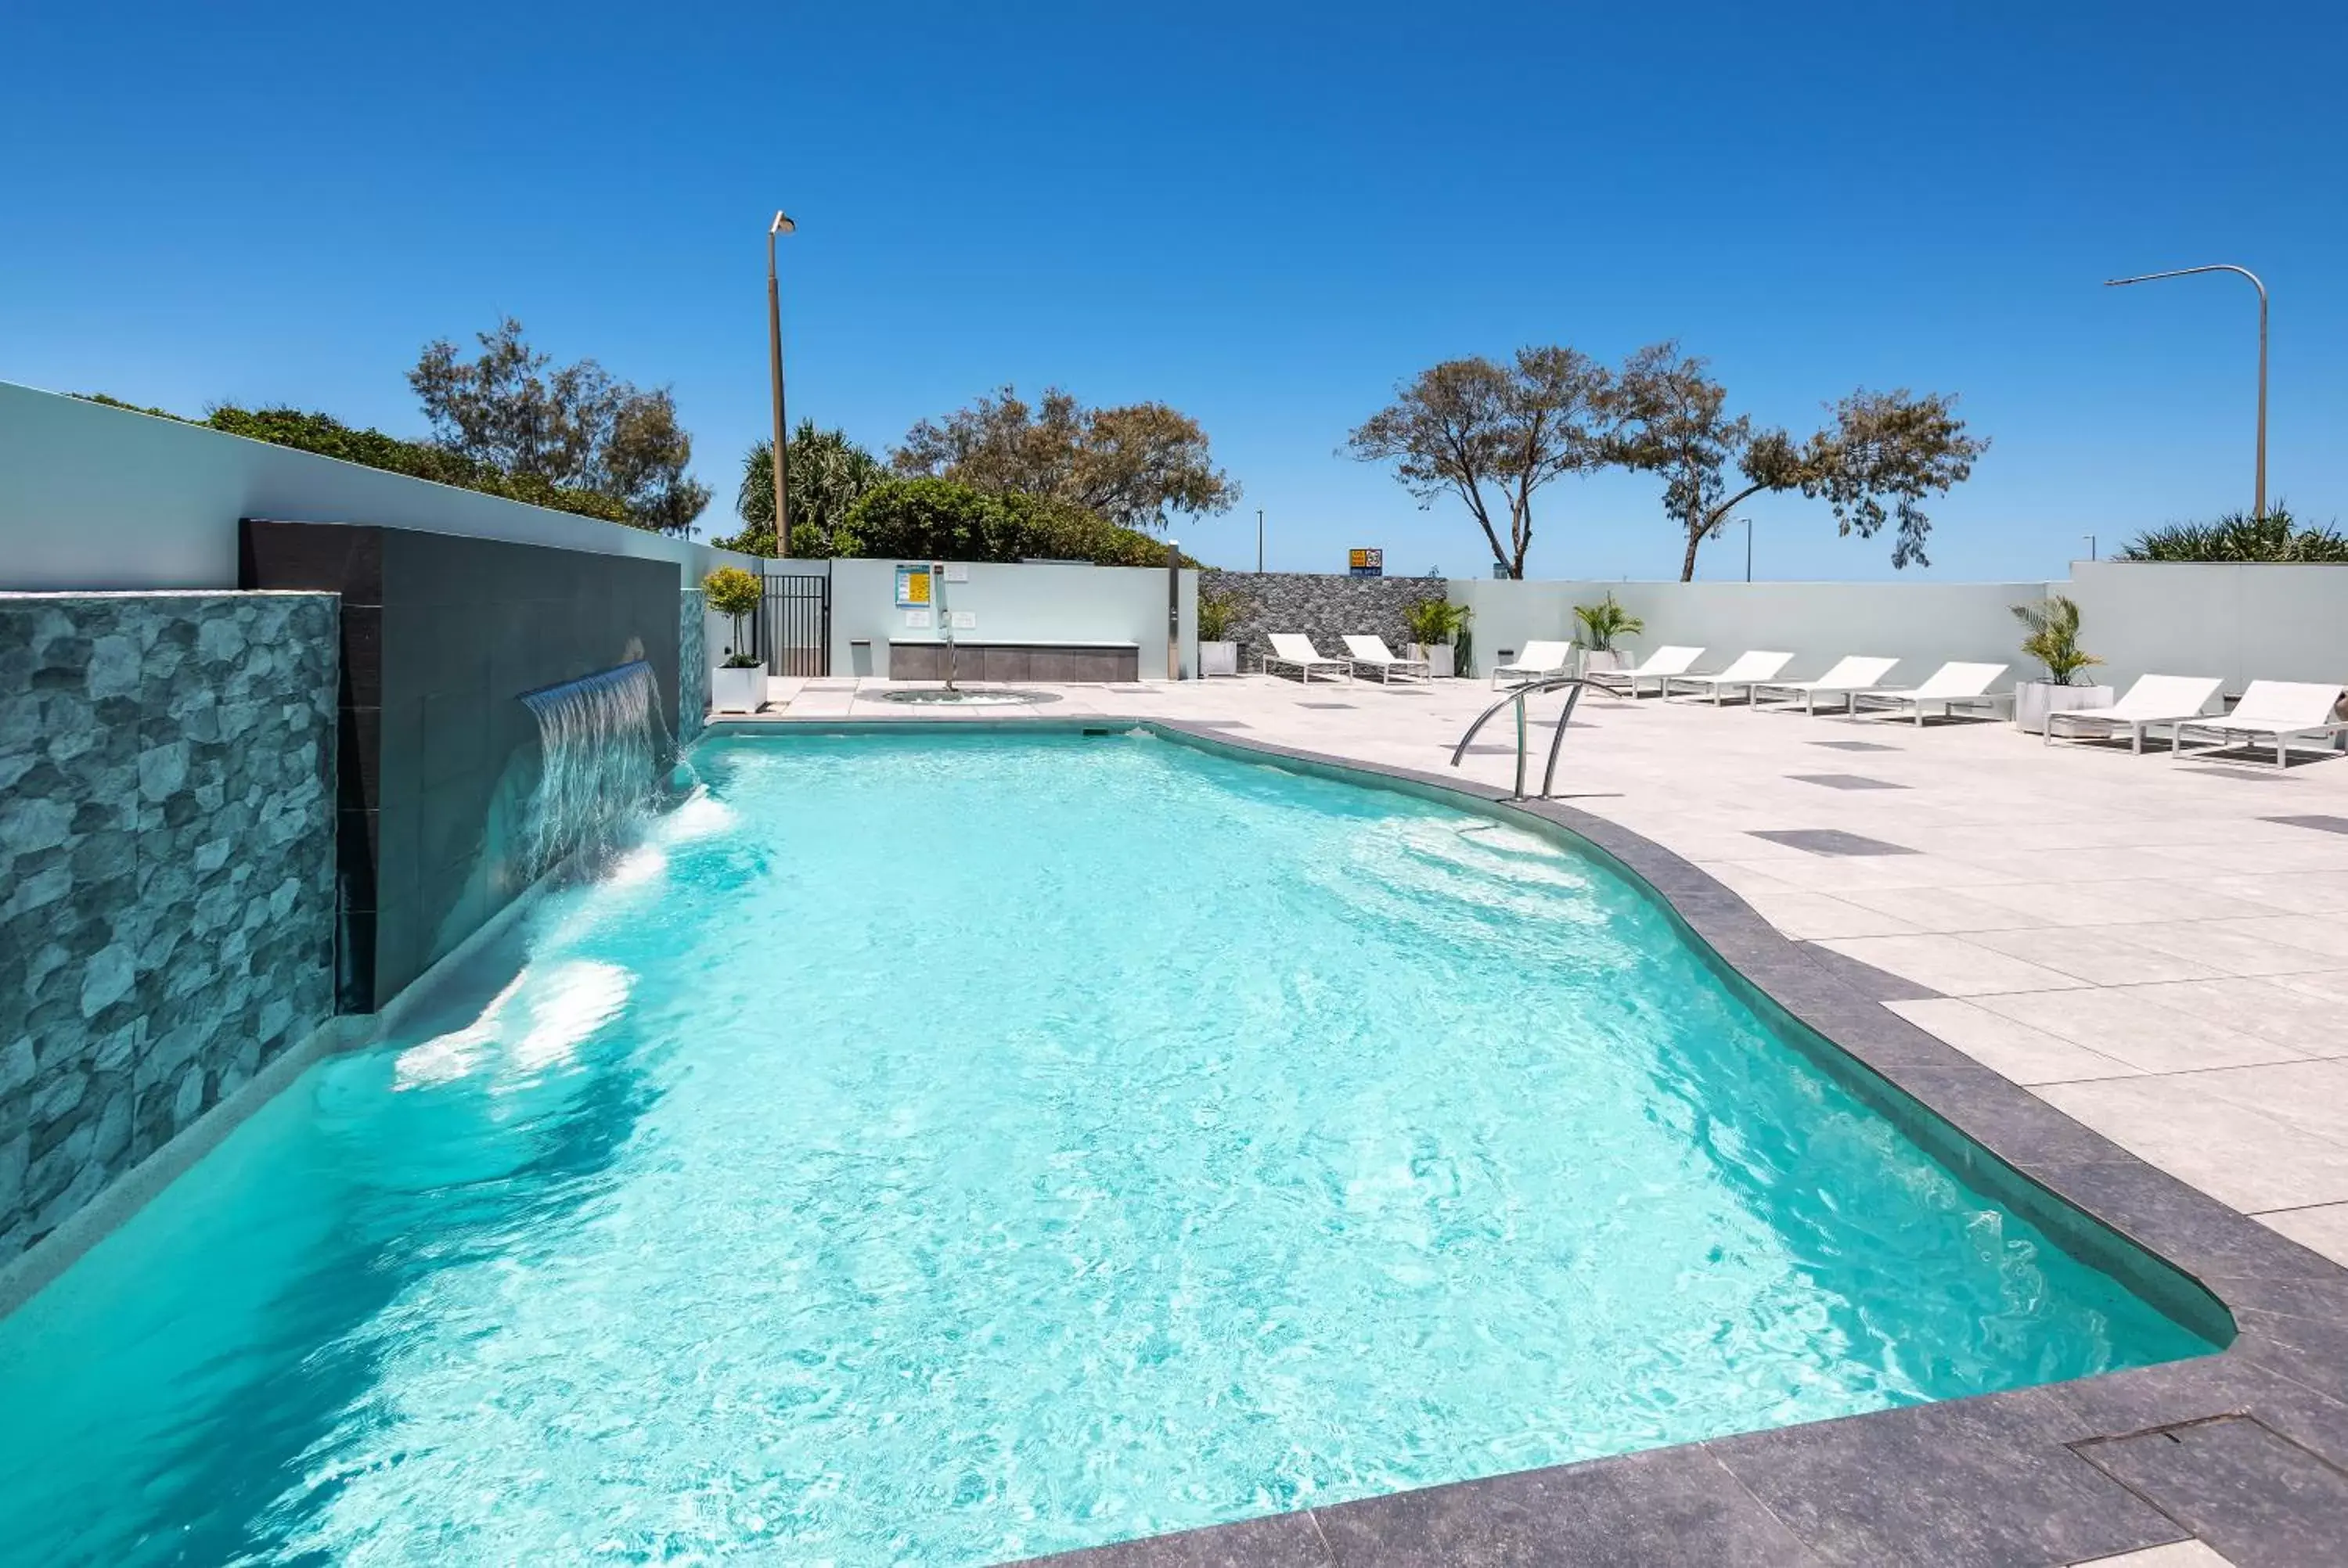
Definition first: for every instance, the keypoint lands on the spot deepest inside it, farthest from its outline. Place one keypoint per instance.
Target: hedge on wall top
(939, 520)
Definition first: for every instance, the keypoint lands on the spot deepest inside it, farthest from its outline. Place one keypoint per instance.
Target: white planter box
(1600, 659)
(738, 691)
(1218, 658)
(2034, 700)
(1439, 656)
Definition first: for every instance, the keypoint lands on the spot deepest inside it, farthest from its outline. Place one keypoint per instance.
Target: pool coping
(2245, 1449)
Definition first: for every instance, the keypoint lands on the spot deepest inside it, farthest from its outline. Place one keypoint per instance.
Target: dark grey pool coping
(2034, 1477)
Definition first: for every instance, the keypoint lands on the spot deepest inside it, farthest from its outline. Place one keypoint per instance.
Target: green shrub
(330, 437)
(1433, 622)
(939, 520)
(2053, 639)
(1219, 611)
(2240, 537)
(1604, 622)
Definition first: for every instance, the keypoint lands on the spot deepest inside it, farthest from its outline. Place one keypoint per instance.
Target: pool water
(943, 1149)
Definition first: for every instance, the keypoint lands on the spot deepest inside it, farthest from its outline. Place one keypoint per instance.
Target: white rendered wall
(1018, 604)
(2242, 623)
(96, 498)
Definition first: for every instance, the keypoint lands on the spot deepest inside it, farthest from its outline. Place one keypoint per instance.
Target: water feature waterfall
(602, 741)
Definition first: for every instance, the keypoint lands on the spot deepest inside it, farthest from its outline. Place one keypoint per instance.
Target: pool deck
(2127, 976)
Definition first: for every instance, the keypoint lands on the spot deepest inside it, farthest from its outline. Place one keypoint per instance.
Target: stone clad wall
(1324, 607)
(166, 872)
(691, 663)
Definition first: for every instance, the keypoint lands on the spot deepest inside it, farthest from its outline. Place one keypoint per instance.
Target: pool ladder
(1571, 685)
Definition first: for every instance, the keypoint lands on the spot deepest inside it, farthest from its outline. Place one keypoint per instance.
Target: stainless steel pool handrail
(1571, 685)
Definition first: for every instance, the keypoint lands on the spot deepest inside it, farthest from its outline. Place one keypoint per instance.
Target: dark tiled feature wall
(441, 635)
(1325, 608)
(1014, 662)
(166, 872)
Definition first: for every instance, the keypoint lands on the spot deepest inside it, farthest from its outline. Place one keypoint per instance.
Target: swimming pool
(951, 1147)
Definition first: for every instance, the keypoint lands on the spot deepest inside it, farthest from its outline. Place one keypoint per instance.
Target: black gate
(795, 624)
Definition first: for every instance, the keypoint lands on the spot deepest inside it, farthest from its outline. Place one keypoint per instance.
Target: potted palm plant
(1603, 624)
(1218, 614)
(1434, 625)
(2053, 642)
(738, 683)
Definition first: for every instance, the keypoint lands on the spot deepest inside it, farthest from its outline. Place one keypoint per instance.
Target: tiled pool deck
(2127, 977)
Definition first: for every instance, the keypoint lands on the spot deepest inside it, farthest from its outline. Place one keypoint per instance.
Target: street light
(781, 225)
(1749, 547)
(2259, 505)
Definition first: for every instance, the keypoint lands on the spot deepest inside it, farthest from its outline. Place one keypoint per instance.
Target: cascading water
(602, 741)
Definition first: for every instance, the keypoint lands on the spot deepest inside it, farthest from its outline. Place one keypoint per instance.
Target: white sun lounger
(1951, 686)
(1371, 653)
(1851, 676)
(1662, 664)
(1538, 659)
(2271, 710)
(1295, 651)
(2153, 699)
(1745, 672)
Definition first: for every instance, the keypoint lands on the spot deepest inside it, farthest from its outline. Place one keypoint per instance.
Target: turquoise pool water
(943, 1149)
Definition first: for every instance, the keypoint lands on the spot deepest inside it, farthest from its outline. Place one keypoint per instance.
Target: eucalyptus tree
(1132, 465)
(1880, 455)
(1492, 436)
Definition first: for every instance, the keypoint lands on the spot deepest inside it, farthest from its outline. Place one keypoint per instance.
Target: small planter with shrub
(738, 683)
(2053, 642)
(1604, 625)
(1218, 612)
(1436, 626)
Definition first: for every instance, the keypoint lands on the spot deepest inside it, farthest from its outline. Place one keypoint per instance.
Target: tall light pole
(2258, 507)
(1259, 541)
(781, 225)
(1749, 547)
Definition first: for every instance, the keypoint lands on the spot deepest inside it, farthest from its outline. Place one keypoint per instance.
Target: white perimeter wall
(99, 498)
(1018, 604)
(2237, 622)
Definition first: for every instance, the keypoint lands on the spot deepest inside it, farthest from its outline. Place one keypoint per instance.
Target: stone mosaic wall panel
(691, 665)
(166, 872)
(1324, 607)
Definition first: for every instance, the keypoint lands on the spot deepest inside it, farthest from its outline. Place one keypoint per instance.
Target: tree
(941, 520)
(829, 475)
(1473, 427)
(1883, 446)
(572, 426)
(2240, 537)
(1131, 465)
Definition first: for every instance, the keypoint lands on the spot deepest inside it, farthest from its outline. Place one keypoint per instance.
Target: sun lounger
(1537, 660)
(2153, 699)
(1372, 653)
(2271, 712)
(1293, 649)
(1662, 664)
(1949, 688)
(1849, 676)
(1745, 672)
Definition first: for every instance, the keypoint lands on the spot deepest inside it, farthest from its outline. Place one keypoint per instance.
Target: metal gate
(795, 624)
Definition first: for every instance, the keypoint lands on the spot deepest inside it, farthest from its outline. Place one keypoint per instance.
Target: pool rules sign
(1365, 563)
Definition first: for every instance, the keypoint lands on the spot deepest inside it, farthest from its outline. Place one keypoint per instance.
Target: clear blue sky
(1264, 215)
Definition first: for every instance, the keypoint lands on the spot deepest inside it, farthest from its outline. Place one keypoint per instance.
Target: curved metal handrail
(1571, 684)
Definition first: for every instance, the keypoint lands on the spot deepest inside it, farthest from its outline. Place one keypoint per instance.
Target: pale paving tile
(1950, 965)
(2310, 1025)
(2096, 954)
(2310, 852)
(2086, 864)
(2175, 1554)
(2305, 893)
(2328, 985)
(2323, 1228)
(2024, 1054)
(1940, 909)
(2189, 897)
(2311, 1096)
(2058, 903)
(2226, 947)
(2133, 1029)
(2316, 933)
(2236, 1154)
(1810, 917)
